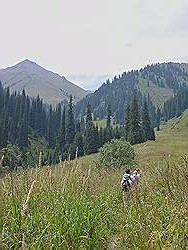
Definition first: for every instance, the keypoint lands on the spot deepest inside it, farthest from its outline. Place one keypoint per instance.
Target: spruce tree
(50, 127)
(109, 113)
(108, 124)
(135, 133)
(4, 129)
(79, 144)
(127, 121)
(158, 119)
(100, 137)
(23, 132)
(116, 133)
(90, 143)
(70, 128)
(60, 141)
(146, 124)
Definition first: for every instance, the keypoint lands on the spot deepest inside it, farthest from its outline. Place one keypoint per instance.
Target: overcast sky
(93, 36)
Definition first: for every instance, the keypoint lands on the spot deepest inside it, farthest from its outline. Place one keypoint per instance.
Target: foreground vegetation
(76, 205)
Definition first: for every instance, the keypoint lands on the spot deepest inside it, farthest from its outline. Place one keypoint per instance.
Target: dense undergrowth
(78, 206)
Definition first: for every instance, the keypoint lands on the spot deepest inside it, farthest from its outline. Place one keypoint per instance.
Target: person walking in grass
(126, 181)
(135, 176)
(129, 180)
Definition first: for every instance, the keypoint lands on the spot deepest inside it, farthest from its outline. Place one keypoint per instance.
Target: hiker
(135, 176)
(126, 181)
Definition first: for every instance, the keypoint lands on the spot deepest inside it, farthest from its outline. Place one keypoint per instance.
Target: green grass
(78, 206)
(158, 94)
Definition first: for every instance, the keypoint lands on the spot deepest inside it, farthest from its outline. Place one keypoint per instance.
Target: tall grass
(76, 206)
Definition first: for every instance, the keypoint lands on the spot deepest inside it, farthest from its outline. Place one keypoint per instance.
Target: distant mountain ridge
(158, 82)
(51, 87)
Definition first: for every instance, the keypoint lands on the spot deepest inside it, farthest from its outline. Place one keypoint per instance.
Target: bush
(116, 153)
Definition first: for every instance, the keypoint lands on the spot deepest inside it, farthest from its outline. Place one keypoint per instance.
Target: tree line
(21, 117)
(176, 104)
(67, 137)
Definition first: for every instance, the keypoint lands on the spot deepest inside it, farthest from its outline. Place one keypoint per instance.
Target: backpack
(126, 186)
(125, 182)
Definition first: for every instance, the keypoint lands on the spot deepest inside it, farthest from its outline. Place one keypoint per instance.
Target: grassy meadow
(75, 205)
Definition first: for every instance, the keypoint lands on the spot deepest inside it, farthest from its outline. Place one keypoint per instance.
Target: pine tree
(158, 119)
(109, 113)
(100, 137)
(23, 132)
(88, 114)
(97, 137)
(127, 121)
(79, 144)
(108, 124)
(116, 132)
(4, 129)
(146, 124)
(50, 127)
(60, 141)
(90, 143)
(70, 128)
(135, 133)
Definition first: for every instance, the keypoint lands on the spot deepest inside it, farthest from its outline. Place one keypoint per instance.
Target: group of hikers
(130, 179)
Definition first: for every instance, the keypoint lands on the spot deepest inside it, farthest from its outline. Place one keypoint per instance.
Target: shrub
(116, 153)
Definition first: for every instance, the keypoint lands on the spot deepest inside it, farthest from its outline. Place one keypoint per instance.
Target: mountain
(91, 82)
(52, 87)
(157, 82)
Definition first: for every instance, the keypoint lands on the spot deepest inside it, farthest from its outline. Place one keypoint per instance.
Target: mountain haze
(52, 87)
(90, 82)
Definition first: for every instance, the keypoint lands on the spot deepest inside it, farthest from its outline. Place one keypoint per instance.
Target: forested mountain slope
(158, 82)
(51, 87)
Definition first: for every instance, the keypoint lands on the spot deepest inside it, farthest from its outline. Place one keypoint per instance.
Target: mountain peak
(27, 61)
(35, 79)
(28, 66)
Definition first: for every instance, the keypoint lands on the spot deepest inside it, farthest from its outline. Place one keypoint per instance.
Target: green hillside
(172, 141)
(75, 205)
(158, 94)
(157, 83)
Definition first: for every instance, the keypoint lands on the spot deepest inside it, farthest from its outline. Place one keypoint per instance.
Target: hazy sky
(93, 36)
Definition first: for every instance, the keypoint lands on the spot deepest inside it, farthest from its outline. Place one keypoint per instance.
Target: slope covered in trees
(157, 82)
(25, 121)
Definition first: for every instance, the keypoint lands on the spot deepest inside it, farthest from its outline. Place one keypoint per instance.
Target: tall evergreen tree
(50, 127)
(90, 144)
(158, 119)
(79, 144)
(70, 128)
(4, 129)
(60, 142)
(146, 124)
(23, 132)
(100, 137)
(127, 121)
(109, 113)
(135, 133)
